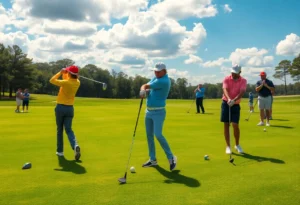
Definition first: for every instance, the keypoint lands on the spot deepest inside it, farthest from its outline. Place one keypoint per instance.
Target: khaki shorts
(19, 102)
(264, 102)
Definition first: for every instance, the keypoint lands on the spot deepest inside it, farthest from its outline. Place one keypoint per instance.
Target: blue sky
(197, 39)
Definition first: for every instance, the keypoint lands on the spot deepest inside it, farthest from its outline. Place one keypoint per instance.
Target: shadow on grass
(175, 177)
(259, 158)
(282, 126)
(280, 120)
(70, 166)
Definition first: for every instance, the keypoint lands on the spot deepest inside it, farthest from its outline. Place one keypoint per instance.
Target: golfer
(26, 97)
(64, 110)
(159, 88)
(199, 91)
(19, 98)
(251, 102)
(234, 87)
(264, 87)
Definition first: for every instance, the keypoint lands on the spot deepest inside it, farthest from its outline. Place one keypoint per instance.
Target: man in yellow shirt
(64, 110)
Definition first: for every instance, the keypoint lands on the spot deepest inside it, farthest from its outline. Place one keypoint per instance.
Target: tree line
(19, 71)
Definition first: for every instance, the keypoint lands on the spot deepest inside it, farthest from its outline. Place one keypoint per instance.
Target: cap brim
(156, 69)
(72, 72)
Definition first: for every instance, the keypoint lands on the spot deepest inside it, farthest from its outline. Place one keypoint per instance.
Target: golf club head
(246, 120)
(122, 180)
(231, 160)
(104, 86)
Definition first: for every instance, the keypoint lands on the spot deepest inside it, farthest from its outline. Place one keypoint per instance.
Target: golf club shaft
(137, 120)
(253, 110)
(92, 80)
(229, 130)
(191, 105)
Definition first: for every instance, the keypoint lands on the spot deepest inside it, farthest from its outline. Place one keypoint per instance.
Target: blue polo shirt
(265, 92)
(159, 91)
(26, 96)
(200, 94)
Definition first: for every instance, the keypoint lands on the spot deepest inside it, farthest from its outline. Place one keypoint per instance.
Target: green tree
(295, 69)
(282, 70)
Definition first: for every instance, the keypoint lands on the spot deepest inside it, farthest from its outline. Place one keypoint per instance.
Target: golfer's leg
(268, 106)
(225, 119)
(201, 105)
(150, 136)
(198, 105)
(158, 120)
(226, 133)
(59, 127)
(68, 125)
(235, 118)
(261, 108)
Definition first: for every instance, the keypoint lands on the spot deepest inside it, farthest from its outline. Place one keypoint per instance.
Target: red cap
(263, 73)
(72, 69)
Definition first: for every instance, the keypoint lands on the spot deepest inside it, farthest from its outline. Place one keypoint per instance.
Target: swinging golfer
(234, 87)
(159, 88)
(64, 110)
(199, 92)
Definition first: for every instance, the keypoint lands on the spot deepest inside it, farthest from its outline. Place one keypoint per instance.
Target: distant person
(26, 96)
(234, 87)
(199, 98)
(19, 98)
(159, 87)
(264, 87)
(251, 102)
(64, 110)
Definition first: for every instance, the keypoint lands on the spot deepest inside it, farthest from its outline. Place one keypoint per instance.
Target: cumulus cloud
(289, 46)
(193, 60)
(185, 9)
(216, 63)
(18, 38)
(227, 8)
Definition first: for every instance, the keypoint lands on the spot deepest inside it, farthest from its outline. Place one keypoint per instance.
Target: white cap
(236, 69)
(159, 67)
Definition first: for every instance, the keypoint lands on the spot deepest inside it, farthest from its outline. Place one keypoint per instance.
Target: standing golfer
(234, 87)
(64, 110)
(159, 88)
(19, 98)
(264, 87)
(251, 102)
(199, 91)
(26, 97)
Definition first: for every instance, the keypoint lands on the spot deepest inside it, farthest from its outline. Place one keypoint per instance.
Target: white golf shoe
(268, 124)
(239, 149)
(260, 123)
(228, 150)
(61, 154)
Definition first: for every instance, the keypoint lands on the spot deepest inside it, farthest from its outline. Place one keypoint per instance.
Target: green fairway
(268, 174)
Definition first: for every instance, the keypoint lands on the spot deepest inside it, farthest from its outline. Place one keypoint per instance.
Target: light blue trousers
(154, 121)
(64, 115)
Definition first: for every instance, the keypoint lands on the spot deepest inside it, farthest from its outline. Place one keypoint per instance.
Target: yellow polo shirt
(68, 88)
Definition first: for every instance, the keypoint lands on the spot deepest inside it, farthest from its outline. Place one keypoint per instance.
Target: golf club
(231, 160)
(104, 84)
(123, 179)
(191, 106)
(251, 112)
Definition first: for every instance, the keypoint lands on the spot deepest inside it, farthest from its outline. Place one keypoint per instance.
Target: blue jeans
(154, 121)
(64, 115)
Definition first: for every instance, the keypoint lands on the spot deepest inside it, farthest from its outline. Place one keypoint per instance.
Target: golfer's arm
(226, 93)
(258, 88)
(240, 95)
(145, 87)
(54, 80)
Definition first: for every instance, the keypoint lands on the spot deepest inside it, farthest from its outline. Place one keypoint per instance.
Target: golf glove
(230, 103)
(143, 93)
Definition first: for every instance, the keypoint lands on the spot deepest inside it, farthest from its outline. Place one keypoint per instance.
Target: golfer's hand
(230, 102)
(143, 93)
(63, 70)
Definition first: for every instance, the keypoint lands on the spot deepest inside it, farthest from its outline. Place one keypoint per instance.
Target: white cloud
(193, 60)
(289, 46)
(227, 8)
(18, 38)
(185, 9)
(215, 63)
(251, 57)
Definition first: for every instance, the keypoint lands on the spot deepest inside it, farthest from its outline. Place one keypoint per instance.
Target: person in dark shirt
(264, 87)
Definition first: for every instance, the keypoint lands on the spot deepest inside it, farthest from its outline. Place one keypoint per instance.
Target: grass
(267, 174)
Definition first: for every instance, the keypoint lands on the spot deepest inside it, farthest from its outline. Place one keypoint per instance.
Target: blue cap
(159, 67)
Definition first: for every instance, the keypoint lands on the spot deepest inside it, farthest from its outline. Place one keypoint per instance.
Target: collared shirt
(26, 96)
(234, 87)
(68, 88)
(264, 91)
(200, 93)
(159, 91)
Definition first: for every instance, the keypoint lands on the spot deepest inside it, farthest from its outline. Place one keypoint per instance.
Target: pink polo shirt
(234, 87)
